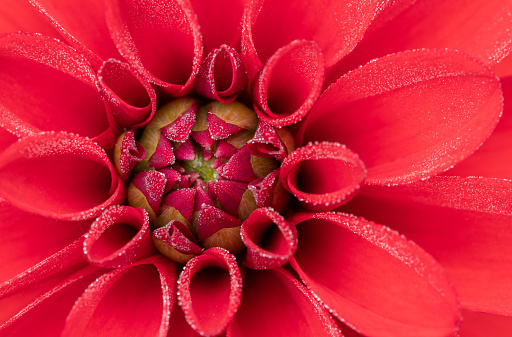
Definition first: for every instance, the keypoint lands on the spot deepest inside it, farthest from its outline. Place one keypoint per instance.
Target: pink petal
(270, 239)
(222, 76)
(504, 67)
(269, 192)
(18, 16)
(211, 220)
(41, 76)
(182, 201)
(82, 24)
(176, 241)
(118, 237)
(220, 129)
(172, 178)
(368, 275)
(463, 222)
(479, 324)
(239, 167)
(132, 99)
(275, 304)
(60, 176)
(161, 39)
(133, 300)
(185, 151)
(336, 26)
(229, 195)
(210, 288)
(322, 175)
(289, 83)
(127, 154)
(268, 143)
(398, 139)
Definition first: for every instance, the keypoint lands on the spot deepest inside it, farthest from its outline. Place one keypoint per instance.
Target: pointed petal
(177, 205)
(398, 139)
(60, 176)
(229, 195)
(211, 220)
(210, 288)
(161, 39)
(368, 274)
(133, 300)
(463, 222)
(270, 192)
(49, 86)
(225, 120)
(176, 242)
(289, 83)
(275, 304)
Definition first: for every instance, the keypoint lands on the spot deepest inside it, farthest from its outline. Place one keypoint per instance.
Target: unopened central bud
(201, 166)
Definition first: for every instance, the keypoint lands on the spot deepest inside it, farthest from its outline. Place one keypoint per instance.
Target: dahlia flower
(255, 168)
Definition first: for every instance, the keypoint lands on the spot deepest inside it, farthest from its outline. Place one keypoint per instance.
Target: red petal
(128, 153)
(275, 304)
(239, 167)
(289, 83)
(146, 191)
(50, 86)
(6, 138)
(222, 76)
(134, 300)
(83, 25)
(220, 129)
(267, 143)
(270, 239)
(132, 99)
(419, 118)
(479, 324)
(368, 275)
(120, 236)
(229, 195)
(212, 220)
(322, 175)
(181, 200)
(60, 176)
(176, 241)
(463, 222)
(18, 16)
(210, 288)
(336, 26)
(161, 39)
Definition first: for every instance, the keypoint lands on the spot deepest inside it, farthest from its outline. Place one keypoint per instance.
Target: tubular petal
(322, 175)
(270, 239)
(161, 39)
(463, 222)
(289, 83)
(42, 175)
(120, 236)
(132, 300)
(132, 99)
(210, 289)
(336, 26)
(374, 110)
(368, 274)
(41, 76)
(275, 304)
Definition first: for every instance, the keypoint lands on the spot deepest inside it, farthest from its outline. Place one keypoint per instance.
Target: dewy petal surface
(463, 222)
(60, 176)
(368, 275)
(409, 115)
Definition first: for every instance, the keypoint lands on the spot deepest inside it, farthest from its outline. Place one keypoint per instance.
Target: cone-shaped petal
(138, 298)
(177, 205)
(368, 274)
(275, 304)
(269, 142)
(463, 222)
(161, 39)
(210, 289)
(229, 194)
(127, 153)
(289, 83)
(146, 191)
(60, 176)
(212, 220)
(120, 236)
(402, 136)
(176, 241)
(269, 192)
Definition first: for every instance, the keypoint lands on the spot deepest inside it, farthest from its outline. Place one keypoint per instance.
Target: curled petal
(271, 142)
(229, 194)
(367, 274)
(322, 175)
(146, 191)
(138, 298)
(288, 308)
(60, 176)
(131, 98)
(128, 153)
(176, 241)
(270, 239)
(270, 192)
(398, 139)
(120, 236)
(210, 289)
(222, 76)
(289, 84)
(148, 37)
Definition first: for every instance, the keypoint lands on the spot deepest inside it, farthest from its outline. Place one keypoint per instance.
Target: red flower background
(386, 120)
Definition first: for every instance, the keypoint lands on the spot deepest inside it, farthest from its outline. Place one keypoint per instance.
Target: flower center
(200, 166)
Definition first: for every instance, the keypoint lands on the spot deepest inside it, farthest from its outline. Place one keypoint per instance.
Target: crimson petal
(289, 84)
(60, 176)
(275, 304)
(478, 324)
(18, 16)
(161, 39)
(463, 222)
(398, 139)
(368, 274)
(132, 300)
(210, 289)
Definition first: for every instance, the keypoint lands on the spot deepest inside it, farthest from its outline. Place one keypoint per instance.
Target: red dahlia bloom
(255, 168)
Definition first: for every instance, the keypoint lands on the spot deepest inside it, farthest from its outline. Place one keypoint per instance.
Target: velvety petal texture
(368, 274)
(374, 110)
